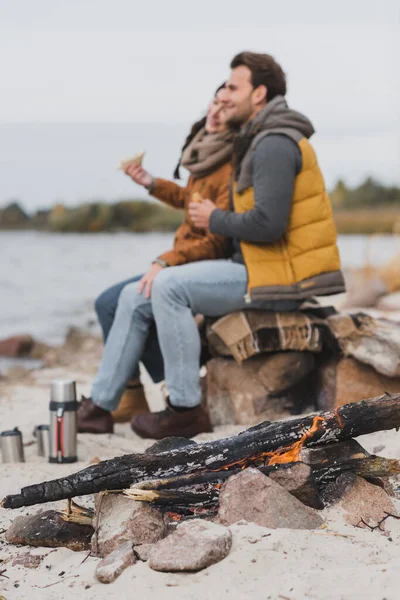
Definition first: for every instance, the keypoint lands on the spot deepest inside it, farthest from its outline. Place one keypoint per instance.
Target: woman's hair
(196, 127)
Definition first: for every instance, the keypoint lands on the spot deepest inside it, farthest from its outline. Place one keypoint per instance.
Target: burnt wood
(248, 448)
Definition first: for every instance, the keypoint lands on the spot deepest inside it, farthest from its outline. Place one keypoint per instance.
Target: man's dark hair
(264, 71)
(196, 127)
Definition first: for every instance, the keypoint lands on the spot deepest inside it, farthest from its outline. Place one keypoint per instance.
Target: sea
(49, 281)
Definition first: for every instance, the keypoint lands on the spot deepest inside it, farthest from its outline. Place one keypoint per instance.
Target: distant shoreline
(139, 216)
(370, 208)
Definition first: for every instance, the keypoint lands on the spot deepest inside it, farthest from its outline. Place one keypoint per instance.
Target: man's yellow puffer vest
(305, 261)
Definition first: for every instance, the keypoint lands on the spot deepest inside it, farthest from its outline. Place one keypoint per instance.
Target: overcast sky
(158, 61)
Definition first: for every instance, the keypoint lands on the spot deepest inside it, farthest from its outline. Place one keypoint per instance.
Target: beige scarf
(206, 152)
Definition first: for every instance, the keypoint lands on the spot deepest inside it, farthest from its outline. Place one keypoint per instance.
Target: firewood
(372, 467)
(172, 498)
(273, 443)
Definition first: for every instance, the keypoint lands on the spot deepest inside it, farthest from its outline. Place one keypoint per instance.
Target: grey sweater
(275, 163)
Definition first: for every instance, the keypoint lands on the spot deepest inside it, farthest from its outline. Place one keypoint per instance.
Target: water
(49, 281)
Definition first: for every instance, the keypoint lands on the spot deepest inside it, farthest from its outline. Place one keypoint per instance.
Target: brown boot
(133, 402)
(93, 419)
(169, 422)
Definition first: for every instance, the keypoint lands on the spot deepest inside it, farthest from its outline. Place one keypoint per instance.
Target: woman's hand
(147, 280)
(138, 174)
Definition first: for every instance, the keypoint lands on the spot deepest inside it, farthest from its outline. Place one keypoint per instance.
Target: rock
(169, 443)
(391, 302)
(358, 499)
(110, 567)
(390, 273)
(49, 529)
(371, 341)
(121, 520)
(195, 545)
(280, 372)
(268, 504)
(256, 390)
(27, 560)
(41, 351)
(366, 293)
(298, 480)
(345, 380)
(19, 345)
(143, 551)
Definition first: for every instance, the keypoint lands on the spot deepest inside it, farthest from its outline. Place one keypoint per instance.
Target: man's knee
(166, 283)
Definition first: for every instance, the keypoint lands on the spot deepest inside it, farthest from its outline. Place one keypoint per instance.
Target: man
(282, 230)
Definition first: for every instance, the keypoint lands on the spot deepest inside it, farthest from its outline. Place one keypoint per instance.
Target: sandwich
(196, 197)
(137, 159)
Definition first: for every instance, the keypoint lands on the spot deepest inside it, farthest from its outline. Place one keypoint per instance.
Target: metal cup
(42, 435)
(12, 449)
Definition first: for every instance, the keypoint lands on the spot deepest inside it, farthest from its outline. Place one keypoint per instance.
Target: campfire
(175, 507)
(187, 480)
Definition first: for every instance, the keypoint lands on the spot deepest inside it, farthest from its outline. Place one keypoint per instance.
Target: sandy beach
(337, 561)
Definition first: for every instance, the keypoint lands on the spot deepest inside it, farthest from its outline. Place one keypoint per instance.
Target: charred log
(271, 443)
(373, 467)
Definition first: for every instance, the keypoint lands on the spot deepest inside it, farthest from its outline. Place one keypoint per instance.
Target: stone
(268, 504)
(257, 390)
(345, 380)
(111, 567)
(371, 341)
(195, 545)
(27, 560)
(391, 302)
(298, 480)
(143, 551)
(49, 529)
(123, 519)
(365, 294)
(19, 345)
(280, 372)
(358, 499)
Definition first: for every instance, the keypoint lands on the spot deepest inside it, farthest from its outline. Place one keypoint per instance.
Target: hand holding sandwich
(133, 168)
(138, 174)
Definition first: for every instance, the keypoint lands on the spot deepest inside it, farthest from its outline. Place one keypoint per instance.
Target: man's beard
(236, 121)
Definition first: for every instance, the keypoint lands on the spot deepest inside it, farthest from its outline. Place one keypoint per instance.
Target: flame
(292, 453)
(174, 516)
(285, 454)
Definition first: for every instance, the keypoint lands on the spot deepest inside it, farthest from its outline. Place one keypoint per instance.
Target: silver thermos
(63, 421)
(12, 450)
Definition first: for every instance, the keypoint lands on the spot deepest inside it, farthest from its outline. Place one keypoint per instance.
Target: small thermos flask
(12, 450)
(63, 421)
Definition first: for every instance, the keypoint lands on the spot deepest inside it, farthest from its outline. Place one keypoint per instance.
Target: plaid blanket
(372, 341)
(247, 333)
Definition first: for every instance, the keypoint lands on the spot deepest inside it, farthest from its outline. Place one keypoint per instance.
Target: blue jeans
(212, 288)
(106, 306)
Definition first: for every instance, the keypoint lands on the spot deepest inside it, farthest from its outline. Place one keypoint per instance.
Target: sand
(335, 562)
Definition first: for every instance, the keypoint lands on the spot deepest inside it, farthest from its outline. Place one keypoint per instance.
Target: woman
(206, 154)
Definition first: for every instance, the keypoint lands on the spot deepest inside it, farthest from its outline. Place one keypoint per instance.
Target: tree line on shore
(368, 208)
